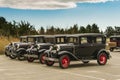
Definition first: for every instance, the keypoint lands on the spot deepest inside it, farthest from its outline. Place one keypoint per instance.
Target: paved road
(22, 70)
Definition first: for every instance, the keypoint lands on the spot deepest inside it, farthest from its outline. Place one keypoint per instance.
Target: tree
(95, 28)
(88, 29)
(42, 31)
(117, 30)
(109, 31)
(82, 29)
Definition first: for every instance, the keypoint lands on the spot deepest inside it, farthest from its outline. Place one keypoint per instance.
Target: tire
(64, 61)
(41, 58)
(111, 49)
(102, 58)
(49, 63)
(12, 56)
(30, 59)
(21, 56)
(6, 54)
(85, 62)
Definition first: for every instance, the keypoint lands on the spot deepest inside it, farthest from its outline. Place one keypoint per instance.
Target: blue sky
(102, 13)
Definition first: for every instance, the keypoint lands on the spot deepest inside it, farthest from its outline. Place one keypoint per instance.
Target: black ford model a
(36, 52)
(31, 40)
(79, 47)
(11, 47)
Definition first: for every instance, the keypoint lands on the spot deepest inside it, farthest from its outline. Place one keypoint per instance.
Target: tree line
(16, 29)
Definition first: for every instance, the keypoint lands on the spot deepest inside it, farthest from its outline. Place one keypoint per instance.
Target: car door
(85, 47)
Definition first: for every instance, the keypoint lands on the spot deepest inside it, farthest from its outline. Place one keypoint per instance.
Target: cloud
(45, 4)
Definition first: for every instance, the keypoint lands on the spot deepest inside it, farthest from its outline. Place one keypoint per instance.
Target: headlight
(17, 46)
(38, 46)
(58, 48)
(51, 47)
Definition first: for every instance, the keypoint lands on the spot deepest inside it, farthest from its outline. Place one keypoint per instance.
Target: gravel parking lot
(22, 70)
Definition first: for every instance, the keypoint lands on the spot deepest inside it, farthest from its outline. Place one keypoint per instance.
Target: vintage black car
(79, 47)
(31, 40)
(114, 42)
(9, 47)
(37, 50)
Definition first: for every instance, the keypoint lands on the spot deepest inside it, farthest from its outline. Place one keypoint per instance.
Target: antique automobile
(79, 47)
(11, 44)
(114, 42)
(36, 52)
(31, 40)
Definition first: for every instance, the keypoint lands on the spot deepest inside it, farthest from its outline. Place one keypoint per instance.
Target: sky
(62, 13)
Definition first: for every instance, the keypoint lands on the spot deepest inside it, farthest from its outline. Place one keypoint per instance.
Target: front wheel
(6, 54)
(64, 61)
(41, 58)
(102, 58)
(21, 56)
(12, 55)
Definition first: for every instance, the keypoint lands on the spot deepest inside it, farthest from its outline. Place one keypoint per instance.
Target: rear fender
(103, 50)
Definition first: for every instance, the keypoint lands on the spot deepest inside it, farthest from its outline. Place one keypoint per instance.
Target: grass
(5, 41)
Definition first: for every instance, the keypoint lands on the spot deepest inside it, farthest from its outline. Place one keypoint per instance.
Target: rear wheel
(64, 61)
(49, 63)
(102, 58)
(85, 62)
(30, 59)
(111, 49)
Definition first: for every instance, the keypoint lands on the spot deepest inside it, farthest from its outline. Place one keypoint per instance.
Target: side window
(60, 40)
(30, 39)
(49, 40)
(72, 40)
(84, 40)
(98, 39)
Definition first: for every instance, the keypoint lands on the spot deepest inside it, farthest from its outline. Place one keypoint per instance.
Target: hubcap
(42, 59)
(65, 62)
(102, 59)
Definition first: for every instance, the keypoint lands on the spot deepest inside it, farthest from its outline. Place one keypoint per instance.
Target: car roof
(23, 36)
(86, 34)
(115, 36)
(36, 35)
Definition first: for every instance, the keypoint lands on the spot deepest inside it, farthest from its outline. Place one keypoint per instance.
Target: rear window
(98, 39)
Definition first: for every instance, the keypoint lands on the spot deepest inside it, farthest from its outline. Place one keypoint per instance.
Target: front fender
(20, 49)
(42, 50)
(67, 53)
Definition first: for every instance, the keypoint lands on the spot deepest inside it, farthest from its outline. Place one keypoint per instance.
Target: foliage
(21, 28)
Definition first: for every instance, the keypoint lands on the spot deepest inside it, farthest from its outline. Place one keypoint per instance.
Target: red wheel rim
(42, 58)
(65, 62)
(102, 59)
(30, 59)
